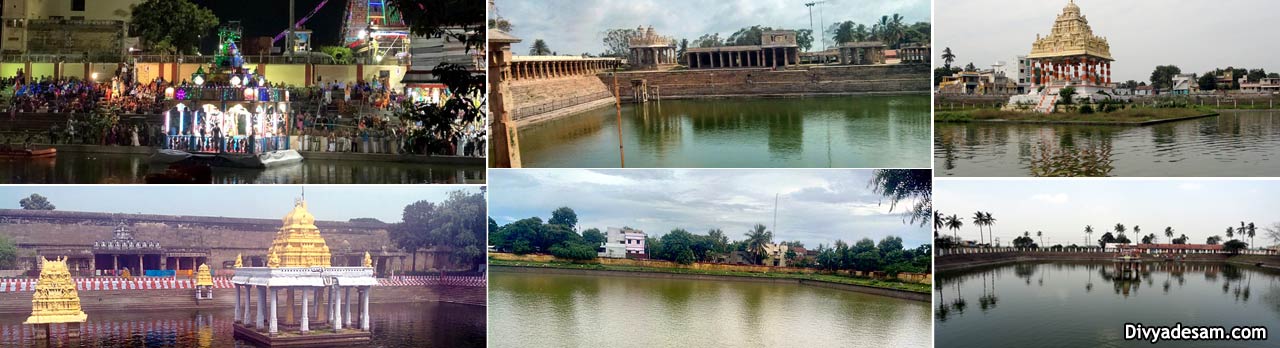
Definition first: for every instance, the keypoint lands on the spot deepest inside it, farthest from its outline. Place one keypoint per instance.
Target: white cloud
(1058, 198)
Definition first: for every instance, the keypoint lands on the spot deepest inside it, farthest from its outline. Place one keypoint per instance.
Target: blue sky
(330, 203)
(1062, 207)
(576, 26)
(814, 206)
(1195, 35)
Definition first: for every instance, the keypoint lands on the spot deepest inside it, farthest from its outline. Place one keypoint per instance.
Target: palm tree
(1137, 231)
(979, 220)
(539, 48)
(938, 222)
(948, 57)
(1230, 232)
(1119, 230)
(1040, 235)
(954, 223)
(1168, 232)
(990, 221)
(1253, 230)
(757, 238)
(1088, 234)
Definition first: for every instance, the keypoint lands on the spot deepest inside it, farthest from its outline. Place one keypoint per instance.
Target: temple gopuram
(299, 263)
(55, 300)
(1070, 56)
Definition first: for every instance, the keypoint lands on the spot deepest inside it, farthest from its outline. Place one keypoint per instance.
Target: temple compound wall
(765, 82)
(70, 233)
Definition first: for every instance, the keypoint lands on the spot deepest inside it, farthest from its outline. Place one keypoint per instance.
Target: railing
(232, 144)
(557, 104)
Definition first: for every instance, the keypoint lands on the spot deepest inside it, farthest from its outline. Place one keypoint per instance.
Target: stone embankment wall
(701, 266)
(959, 261)
(906, 295)
(540, 99)
(107, 300)
(834, 80)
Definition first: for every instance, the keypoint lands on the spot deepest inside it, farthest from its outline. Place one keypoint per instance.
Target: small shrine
(55, 299)
(1070, 56)
(204, 283)
(299, 263)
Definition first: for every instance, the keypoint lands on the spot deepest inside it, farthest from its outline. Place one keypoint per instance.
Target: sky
(1063, 207)
(576, 27)
(326, 202)
(270, 17)
(814, 206)
(1196, 35)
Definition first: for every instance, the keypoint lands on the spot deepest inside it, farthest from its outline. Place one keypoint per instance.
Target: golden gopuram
(55, 299)
(298, 242)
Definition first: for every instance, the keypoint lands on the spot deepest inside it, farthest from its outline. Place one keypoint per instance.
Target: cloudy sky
(577, 26)
(329, 203)
(814, 206)
(1195, 35)
(1062, 207)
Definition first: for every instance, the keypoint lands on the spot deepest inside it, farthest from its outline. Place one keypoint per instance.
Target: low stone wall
(818, 80)
(130, 300)
(906, 295)
(961, 261)
(921, 278)
(530, 99)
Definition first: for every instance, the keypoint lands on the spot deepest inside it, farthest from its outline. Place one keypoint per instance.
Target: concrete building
(631, 240)
(777, 48)
(1184, 84)
(95, 29)
(426, 53)
(1269, 85)
(775, 255)
(985, 82)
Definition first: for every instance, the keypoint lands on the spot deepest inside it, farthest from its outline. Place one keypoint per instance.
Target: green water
(98, 168)
(1068, 304)
(542, 310)
(838, 131)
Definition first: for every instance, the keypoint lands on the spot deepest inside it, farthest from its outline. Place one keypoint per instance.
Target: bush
(573, 251)
(1086, 109)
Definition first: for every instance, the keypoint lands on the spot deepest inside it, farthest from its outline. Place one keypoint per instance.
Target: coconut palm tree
(757, 238)
(954, 223)
(1230, 232)
(1088, 234)
(1168, 232)
(1137, 231)
(1040, 235)
(990, 221)
(539, 48)
(1119, 230)
(938, 222)
(1253, 230)
(979, 220)
(948, 58)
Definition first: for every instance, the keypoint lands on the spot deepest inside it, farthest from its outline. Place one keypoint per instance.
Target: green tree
(1234, 246)
(954, 223)
(172, 23)
(709, 40)
(573, 251)
(592, 236)
(1106, 238)
(501, 23)
(1162, 77)
(340, 54)
(36, 202)
(539, 48)
(1207, 82)
(1168, 233)
(1088, 232)
(748, 36)
(617, 42)
(8, 253)
(457, 225)
(564, 216)
(681, 50)
(947, 57)
(912, 186)
(804, 39)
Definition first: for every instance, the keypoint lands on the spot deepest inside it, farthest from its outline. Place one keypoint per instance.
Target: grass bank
(867, 282)
(1131, 116)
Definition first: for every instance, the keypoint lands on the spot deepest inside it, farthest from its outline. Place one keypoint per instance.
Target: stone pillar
(236, 319)
(288, 300)
(346, 292)
(364, 308)
(306, 321)
(275, 293)
(337, 310)
(262, 302)
(320, 318)
(115, 259)
(248, 298)
(141, 268)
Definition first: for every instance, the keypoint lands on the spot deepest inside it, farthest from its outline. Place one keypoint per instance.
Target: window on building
(77, 5)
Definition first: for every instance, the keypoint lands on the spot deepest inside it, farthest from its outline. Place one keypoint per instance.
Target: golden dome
(1071, 36)
(203, 278)
(298, 242)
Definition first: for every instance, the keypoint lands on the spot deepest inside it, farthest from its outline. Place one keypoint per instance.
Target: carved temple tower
(298, 242)
(1070, 56)
(55, 299)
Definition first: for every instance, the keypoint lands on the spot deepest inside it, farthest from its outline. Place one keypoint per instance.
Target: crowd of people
(317, 114)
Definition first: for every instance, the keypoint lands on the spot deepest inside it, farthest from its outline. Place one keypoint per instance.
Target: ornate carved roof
(647, 37)
(55, 299)
(1071, 36)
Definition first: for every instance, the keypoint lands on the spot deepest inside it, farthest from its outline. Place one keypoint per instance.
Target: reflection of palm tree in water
(943, 310)
(959, 302)
(1088, 286)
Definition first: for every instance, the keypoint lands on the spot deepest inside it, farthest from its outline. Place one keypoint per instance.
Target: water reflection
(875, 131)
(1085, 304)
(89, 168)
(394, 325)
(1237, 143)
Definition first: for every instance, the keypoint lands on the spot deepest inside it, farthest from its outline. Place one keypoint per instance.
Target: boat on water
(29, 153)
(228, 159)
